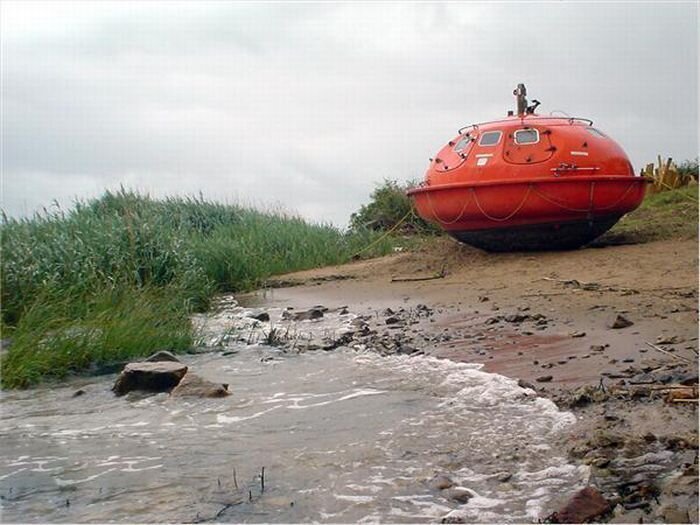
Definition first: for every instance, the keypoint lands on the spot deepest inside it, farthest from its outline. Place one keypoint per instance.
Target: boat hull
(538, 237)
(538, 214)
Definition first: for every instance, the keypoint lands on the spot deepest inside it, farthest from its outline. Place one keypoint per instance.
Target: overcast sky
(311, 105)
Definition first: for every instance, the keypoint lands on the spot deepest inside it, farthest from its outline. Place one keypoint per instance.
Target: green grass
(666, 215)
(117, 277)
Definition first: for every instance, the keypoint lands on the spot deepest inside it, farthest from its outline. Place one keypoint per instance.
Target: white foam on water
(366, 488)
(353, 395)
(548, 474)
(504, 413)
(70, 482)
(131, 468)
(466, 386)
(481, 502)
(5, 476)
(354, 498)
(224, 419)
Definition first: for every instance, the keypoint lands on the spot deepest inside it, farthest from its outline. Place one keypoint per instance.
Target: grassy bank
(667, 215)
(117, 277)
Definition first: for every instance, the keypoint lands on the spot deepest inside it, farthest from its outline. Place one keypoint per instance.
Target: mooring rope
(659, 181)
(385, 234)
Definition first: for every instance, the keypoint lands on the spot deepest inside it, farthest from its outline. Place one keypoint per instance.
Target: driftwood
(542, 294)
(575, 283)
(411, 279)
(439, 275)
(597, 287)
(671, 393)
(678, 357)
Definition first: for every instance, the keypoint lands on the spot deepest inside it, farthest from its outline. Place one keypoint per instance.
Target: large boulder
(160, 376)
(193, 385)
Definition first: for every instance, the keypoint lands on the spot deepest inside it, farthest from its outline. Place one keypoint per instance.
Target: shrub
(388, 205)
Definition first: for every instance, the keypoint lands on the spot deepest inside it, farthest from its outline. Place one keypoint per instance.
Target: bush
(388, 205)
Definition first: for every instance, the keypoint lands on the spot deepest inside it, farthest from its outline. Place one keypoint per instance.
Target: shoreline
(550, 328)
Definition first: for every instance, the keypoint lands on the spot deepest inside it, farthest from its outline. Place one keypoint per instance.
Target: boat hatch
(528, 145)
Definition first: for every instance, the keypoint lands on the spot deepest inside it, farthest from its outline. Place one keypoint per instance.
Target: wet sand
(545, 319)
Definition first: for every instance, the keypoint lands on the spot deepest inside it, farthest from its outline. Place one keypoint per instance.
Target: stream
(344, 436)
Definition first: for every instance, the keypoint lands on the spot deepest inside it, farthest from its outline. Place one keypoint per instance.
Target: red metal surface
(572, 172)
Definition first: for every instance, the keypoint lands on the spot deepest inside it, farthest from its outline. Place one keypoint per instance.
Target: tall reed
(117, 276)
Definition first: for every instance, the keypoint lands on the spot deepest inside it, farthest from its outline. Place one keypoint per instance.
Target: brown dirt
(478, 308)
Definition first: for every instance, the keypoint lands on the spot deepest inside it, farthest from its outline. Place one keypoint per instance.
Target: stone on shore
(584, 506)
(160, 376)
(162, 355)
(307, 315)
(621, 322)
(193, 385)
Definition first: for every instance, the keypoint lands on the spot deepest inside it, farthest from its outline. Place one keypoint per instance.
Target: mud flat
(610, 334)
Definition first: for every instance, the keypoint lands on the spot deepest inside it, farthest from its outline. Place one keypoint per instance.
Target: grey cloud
(311, 105)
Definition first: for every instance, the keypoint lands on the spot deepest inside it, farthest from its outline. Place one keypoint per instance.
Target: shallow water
(344, 436)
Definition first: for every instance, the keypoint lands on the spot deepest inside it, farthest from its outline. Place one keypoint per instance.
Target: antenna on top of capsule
(520, 94)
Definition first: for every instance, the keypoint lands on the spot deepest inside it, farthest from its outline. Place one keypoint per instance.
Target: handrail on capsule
(571, 120)
(461, 130)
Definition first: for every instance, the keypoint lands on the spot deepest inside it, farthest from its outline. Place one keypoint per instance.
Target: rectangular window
(462, 144)
(527, 136)
(490, 138)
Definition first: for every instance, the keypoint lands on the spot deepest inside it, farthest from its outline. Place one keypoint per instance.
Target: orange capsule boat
(528, 182)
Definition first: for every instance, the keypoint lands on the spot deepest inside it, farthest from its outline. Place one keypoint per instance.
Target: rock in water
(162, 355)
(160, 376)
(621, 322)
(504, 476)
(259, 315)
(441, 482)
(583, 507)
(459, 494)
(193, 385)
(308, 315)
